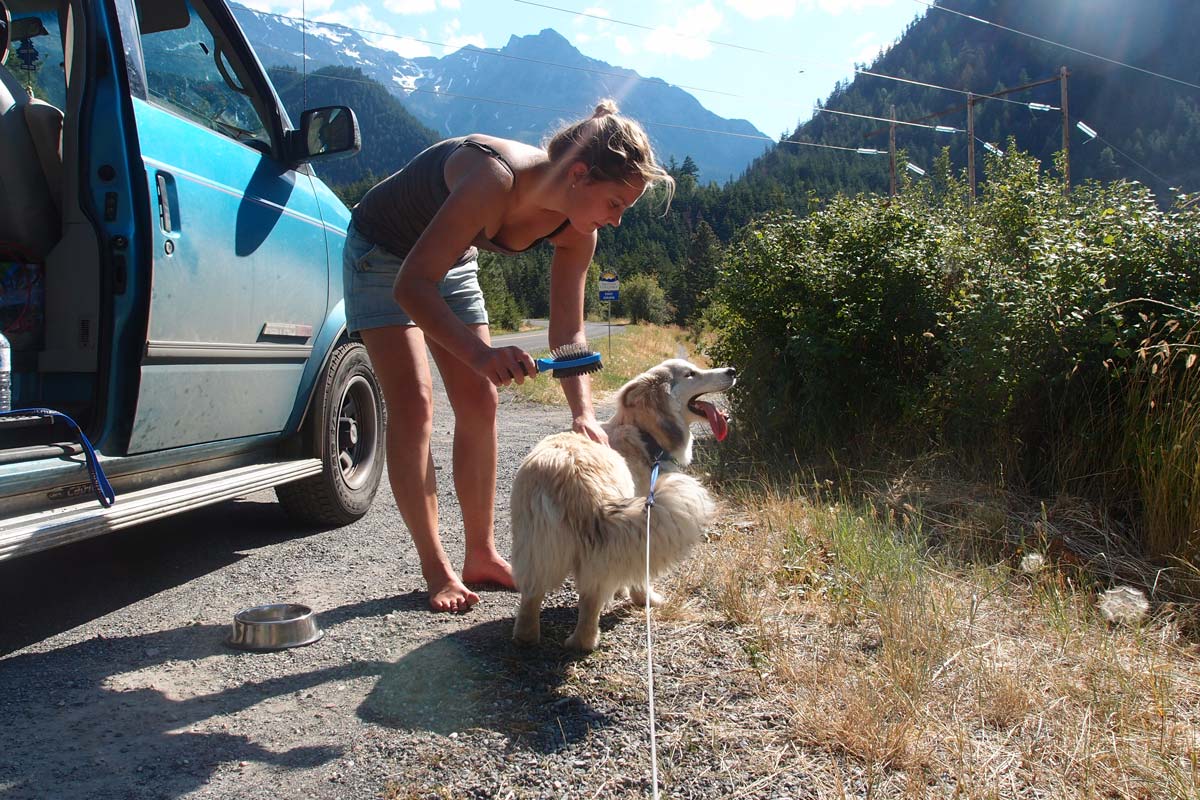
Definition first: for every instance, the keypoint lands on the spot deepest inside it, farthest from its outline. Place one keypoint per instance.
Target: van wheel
(347, 427)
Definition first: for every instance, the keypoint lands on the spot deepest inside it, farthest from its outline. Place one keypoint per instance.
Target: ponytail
(613, 146)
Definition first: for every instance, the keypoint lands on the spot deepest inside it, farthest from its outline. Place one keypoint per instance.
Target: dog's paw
(585, 644)
(638, 598)
(526, 634)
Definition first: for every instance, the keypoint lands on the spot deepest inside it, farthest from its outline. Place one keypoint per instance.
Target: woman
(411, 282)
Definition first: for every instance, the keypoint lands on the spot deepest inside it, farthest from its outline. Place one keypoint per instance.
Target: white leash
(650, 640)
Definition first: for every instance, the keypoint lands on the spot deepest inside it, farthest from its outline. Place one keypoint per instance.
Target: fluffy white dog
(579, 507)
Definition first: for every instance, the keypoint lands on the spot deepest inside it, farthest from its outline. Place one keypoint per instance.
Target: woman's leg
(474, 400)
(398, 355)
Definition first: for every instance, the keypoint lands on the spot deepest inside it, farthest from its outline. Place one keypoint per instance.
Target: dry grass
(928, 676)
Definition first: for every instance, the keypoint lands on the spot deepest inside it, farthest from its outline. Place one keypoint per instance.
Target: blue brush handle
(544, 364)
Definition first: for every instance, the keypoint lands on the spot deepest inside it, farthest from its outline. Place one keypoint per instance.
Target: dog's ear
(642, 390)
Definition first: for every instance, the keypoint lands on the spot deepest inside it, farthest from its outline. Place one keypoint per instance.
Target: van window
(188, 71)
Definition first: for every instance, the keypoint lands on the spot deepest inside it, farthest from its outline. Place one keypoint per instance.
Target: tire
(346, 427)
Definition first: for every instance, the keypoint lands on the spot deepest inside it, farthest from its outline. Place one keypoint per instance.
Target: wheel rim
(357, 432)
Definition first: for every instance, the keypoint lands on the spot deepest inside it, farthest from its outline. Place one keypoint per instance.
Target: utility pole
(1062, 77)
(892, 149)
(972, 99)
(971, 145)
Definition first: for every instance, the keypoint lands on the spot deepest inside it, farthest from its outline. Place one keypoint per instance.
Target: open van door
(233, 313)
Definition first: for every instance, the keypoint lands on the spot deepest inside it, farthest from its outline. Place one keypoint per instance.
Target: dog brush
(570, 360)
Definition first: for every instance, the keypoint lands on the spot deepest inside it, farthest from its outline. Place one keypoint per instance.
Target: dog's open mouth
(716, 418)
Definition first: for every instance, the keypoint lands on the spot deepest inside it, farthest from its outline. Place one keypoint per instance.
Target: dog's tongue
(716, 420)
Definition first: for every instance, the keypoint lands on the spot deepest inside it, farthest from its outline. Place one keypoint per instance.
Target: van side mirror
(328, 132)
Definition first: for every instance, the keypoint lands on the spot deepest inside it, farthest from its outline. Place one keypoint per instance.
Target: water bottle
(5, 374)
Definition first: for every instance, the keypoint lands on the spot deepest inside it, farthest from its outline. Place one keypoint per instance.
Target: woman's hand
(589, 427)
(503, 365)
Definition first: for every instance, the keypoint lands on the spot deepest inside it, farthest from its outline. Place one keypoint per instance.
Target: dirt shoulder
(117, 683)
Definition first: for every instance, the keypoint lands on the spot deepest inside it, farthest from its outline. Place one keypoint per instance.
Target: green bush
(643, 300)
(1015, 331)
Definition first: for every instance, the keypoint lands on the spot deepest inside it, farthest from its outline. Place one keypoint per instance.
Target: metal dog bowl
(274, 627)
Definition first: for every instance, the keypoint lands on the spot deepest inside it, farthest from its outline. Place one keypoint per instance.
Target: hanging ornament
(28, 54)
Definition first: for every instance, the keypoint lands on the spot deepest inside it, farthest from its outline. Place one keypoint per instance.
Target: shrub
(1018, 332)
(643, 300)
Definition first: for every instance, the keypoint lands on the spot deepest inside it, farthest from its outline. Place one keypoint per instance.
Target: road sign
(610, 287)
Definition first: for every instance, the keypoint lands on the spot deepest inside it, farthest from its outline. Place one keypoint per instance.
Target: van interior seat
(31, 171)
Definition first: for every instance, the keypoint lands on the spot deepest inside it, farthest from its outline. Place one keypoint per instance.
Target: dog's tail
(682, 510)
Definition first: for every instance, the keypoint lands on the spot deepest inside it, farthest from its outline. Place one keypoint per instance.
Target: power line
(647, 27)
(607, 73)
(637, 78)
(1056, 44)
(991, 148)
(442, 93)
(654, 81)
(938, 128)
(930, 85)
(1130, 158)
(743, 47)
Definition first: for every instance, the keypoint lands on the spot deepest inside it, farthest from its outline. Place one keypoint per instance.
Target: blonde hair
(614, 148)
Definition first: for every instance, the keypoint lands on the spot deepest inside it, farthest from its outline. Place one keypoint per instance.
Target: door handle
(166, 217)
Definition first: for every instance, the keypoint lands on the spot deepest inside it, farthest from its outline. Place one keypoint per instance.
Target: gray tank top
(396, 211)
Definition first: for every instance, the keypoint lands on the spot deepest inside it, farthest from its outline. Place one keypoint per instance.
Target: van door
(240, 271)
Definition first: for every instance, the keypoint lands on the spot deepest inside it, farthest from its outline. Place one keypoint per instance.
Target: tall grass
(1163, 441)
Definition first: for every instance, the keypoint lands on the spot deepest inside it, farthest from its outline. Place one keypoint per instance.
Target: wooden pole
(892, 150)
(1066, 125)
(609, 304)
(971, 145)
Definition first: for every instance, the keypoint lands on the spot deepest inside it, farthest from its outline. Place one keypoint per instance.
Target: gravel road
(116, 683)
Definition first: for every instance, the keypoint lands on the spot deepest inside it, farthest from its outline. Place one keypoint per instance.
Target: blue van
(170, 278)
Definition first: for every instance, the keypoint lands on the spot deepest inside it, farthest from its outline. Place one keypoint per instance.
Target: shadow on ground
(77, 724)
(477, 678)
(59, 589)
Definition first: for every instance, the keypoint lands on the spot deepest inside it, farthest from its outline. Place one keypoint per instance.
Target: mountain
(515, 74)
(525, 90)
(1149, 126)
(279, 42)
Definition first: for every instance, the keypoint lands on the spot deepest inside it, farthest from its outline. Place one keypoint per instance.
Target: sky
(766, 61)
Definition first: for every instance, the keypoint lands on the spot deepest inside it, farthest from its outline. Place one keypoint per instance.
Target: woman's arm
(478, 199)
(573, 253)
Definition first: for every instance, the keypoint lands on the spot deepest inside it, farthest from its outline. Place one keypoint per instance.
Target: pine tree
(688, 293)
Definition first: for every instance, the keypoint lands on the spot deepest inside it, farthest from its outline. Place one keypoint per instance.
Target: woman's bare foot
(447, 593)
(488, 567)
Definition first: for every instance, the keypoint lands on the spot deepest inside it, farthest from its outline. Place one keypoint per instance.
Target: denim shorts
(368, 272)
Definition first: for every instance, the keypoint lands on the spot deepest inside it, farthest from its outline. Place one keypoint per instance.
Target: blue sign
(610, 287)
